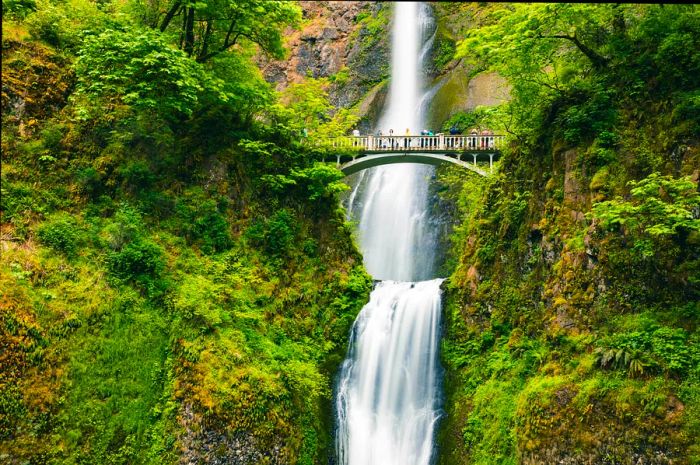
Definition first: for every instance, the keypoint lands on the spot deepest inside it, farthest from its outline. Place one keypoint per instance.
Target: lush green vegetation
(573, 309)
(178, 281)
(177, 278)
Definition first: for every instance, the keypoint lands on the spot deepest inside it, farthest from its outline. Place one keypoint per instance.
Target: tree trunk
(169, 15)
(205, 42)
(189, 32)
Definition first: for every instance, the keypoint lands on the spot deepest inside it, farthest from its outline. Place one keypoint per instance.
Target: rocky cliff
(344, 42)
(349, 44)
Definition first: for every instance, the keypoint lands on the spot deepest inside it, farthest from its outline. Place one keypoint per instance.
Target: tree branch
(598, 60)
(170, 14)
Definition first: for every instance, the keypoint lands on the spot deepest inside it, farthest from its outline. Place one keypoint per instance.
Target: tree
(564, 53)
(140, 69)
(305, 105)
(204, 30)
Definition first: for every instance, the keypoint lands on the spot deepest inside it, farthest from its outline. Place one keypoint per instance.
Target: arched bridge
(356, 153)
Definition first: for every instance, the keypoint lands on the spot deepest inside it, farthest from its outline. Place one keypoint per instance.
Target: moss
(557, 291)
(450, 97)
(156, 306)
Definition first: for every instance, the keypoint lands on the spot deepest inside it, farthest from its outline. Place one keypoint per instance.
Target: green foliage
(275, 235)
(136, 174)
(239, 85)
(198, 300)
(341, 77)
(61, 233)
(599, 313)
(202, 221)
(21, 198)
(321, 181)
(175, 280)
(140, 69)
(444, 53)
(661, 206)
(373, 26)
(480, 117)
(138, 261)
(592, 116)
(305, 107)
(62, 24)
(649, 351)
(18, 9)
(228, 23)
(550, 53)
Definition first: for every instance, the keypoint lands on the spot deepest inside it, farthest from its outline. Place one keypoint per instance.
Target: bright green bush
(661, 207)
(138, 261)
(655, 349)
(202, 222)
(61, 233)
(138, 68)
(321, 181)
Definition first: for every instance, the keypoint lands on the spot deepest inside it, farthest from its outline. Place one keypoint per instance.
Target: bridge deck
(427, 144)
(360, 152)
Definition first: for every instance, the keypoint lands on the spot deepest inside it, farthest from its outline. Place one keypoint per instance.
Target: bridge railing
(439, 142)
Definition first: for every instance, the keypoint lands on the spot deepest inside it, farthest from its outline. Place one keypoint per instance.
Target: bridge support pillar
(474, 155)
(370, 142)
(491, 161)
(441, 141)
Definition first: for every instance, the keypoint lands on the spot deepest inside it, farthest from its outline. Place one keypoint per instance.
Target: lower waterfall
(388, 391)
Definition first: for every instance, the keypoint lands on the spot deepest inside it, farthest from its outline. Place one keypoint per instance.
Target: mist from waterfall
(387, 399)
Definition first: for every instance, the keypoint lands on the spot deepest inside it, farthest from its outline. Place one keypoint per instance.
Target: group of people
(454, 131)
(392, 142)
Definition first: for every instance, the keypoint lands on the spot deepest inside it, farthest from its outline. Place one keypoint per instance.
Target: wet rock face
(320, 48)
(334, 38)
(201, 444)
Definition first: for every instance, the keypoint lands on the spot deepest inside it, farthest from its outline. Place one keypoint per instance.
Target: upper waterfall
(396, 237)
(405, 88)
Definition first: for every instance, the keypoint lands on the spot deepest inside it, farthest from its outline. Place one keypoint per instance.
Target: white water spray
(387, 399)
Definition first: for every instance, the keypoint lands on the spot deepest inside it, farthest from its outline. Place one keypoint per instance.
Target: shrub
(202, 222)
(18, 8)
(321, 180)
(275, 234)
(651, 350)
(137, 261)
(127, 227)
(139, 68)
(61, 233)
(137, 174)
(661, 207)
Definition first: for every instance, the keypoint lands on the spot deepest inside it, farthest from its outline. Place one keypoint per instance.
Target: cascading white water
(388, 390)
(387, 396)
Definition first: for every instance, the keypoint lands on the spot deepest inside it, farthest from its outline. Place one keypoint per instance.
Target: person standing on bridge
(453, 132)
(484, 139)
(391, 138)
(406, 140)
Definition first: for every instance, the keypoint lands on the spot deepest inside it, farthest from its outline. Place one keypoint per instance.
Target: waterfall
(387, 400)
